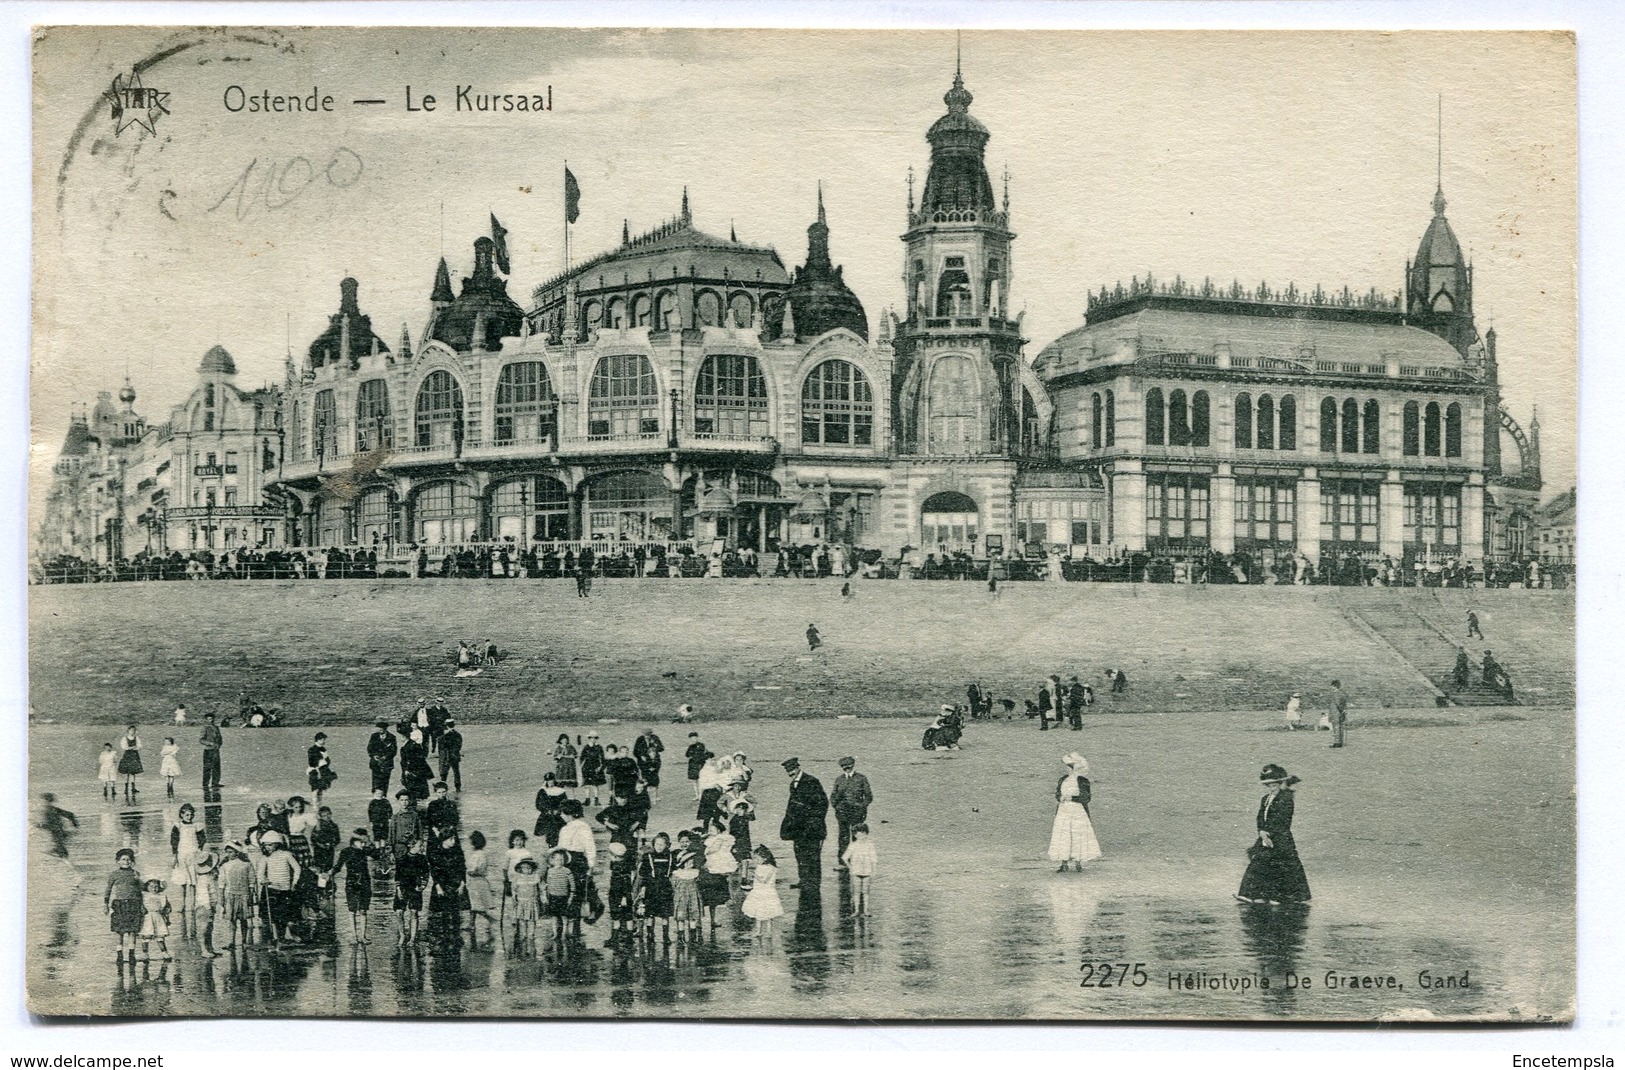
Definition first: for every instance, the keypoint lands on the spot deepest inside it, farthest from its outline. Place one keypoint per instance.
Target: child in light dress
(860, 862)
(155, 922)
(169, 767)
(685, 885)
(526, 884)
(763, 902)
(107, 771)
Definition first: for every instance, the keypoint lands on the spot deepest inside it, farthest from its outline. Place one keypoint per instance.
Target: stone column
(1309, 515)
(1391, 516)
(1222, 515)
(1473, 529)
(1128, 506)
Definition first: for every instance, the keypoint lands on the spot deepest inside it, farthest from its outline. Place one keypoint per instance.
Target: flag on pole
(499, 238)
(572, 197)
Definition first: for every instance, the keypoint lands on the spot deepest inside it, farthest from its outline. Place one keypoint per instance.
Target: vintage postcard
(803, 524)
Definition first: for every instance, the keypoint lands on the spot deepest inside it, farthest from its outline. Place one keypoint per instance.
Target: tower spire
(685, 216)
(1438, 193)
(958, 57)
(821, 201)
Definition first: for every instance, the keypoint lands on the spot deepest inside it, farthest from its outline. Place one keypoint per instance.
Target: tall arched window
(1111, 418)
(1266, 422)
(666, 318)
(1371, 429)
(440, 411)
(374, 428)
(592, 315)
(445, 512)
(740, 310)
(1430, 429)
(1032, 436)
(641, 307)
(952, 405)
(633, 505)
(1452, 430)
(1328, 425)
(1244, 421)
(1413, 429)
(1094, 421)
(1351, 426)
(615, 315)
(1286, 416)
(1153, 417)
(730, 397)
(324, 425)
(837, 406)
(953, 293)
(525, 409)
(623, 400)
(1201, 419)
(1179, 419)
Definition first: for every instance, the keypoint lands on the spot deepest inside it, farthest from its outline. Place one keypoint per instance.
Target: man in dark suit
(804, 824)
(381, 749)
(849, 798)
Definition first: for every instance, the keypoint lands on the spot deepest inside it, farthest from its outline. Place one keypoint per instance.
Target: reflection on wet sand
(1274, 935)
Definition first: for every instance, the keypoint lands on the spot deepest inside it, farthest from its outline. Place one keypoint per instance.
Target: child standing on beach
(559, 886)
(763, 904)
(685, 886)
(860, 862)
(107, 772)
(526, 885)
(122, 901)
(355, 862)
(169, 767)
(155, 920)
(411, 877)
(654, 887)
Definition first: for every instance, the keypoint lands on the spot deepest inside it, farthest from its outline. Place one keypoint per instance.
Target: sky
(1307, 157)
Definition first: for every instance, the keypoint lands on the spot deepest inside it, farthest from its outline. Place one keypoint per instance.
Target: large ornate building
(684, 386)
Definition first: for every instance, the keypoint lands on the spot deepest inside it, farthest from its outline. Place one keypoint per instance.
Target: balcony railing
(224, 512)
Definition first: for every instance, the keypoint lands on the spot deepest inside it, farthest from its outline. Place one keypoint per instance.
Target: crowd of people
(296, 876)
(511, 560)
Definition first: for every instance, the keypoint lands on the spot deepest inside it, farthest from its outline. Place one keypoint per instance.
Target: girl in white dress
(860, 863)
(107, 771)
(1072, 838)
(763, 902)
(169, 767)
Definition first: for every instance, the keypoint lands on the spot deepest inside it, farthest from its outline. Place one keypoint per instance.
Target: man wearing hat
(849, 798)
(210, 739)
(451, 756)
(805, 824)
(381, 749)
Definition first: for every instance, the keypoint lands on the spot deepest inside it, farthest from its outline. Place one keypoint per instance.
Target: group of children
(213, 891)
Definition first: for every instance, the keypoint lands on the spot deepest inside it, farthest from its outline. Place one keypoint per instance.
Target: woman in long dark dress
(1275, 874)
(549, 810)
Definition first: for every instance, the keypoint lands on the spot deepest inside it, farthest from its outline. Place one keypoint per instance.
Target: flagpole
(567, 219)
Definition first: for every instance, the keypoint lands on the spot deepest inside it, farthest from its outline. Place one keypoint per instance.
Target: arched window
(592, 316)
(445, 512)
(1266, 422)
(1351, 426)
(440, 411)
(1286, 416)
(953, 405)
(1111, 418)
(372, 517)
(1244, 421)
(708, 308)
(740, 310)
(324, 425)
(1430, 429)
(953, 293)
(641, 307)
(1413, 429)
(623, 400)
(1032, 436)
(525, 409)
(531, 508)
(1153, 417)
(1371, 429)
(1328, 425)
(1201, 419)
(730, 397)
(615, 314)
(666, 318)
(1094, 421)
(948, 520)
(837, 407)
(1452, 430)
(633, 505)
(1179, 419)
(374, 429)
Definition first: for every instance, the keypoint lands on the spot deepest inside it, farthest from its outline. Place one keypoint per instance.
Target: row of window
(660, 311)
(623, 401)
(1178, 511)
(1272, 424)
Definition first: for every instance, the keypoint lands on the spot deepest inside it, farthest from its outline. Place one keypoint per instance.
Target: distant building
(1555, 528)
(687, 388)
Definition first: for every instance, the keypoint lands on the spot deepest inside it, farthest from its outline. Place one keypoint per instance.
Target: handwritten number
(264, 183)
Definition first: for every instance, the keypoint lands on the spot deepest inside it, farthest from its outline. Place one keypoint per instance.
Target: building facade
(686, 388)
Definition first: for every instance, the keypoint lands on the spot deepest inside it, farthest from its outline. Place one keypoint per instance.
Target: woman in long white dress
(1072, 838)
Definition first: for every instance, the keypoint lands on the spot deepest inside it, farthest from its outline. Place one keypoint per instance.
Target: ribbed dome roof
(1439, 246)
(958, 179)
(217, 362)
(484, 296)
(820, 301)
(329, 344)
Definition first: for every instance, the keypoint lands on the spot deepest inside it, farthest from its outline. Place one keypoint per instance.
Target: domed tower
(819, 299)
(483, 313)
(957, 382)
(1439, 284)
(349, 335)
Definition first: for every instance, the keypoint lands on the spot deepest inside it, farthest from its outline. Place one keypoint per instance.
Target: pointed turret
(626, 232)
(822, 299)
(684, 218)
(405, 348)
(441, 295)
(483, 313)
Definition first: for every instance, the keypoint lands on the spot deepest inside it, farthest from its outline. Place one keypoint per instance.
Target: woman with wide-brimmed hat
(1072, 837)
(1274, 872)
